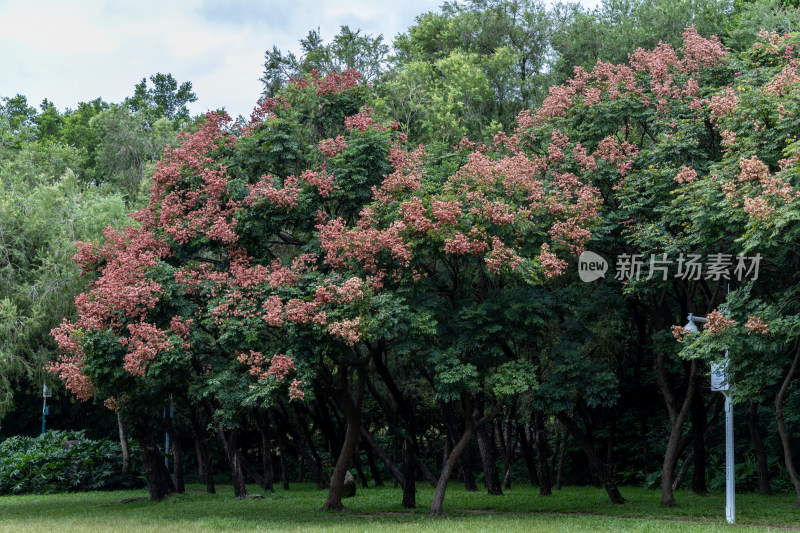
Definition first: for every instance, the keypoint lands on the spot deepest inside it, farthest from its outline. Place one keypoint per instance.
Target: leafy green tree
(165, 98)
(616, 28)
(470, 68)
(127, 148)
(349, 50)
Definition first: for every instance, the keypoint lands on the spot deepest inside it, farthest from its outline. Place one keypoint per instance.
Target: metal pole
(44, 410)
(730, 482)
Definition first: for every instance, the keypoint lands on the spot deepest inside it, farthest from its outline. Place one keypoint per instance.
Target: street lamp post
(720, 383)
(45, 408)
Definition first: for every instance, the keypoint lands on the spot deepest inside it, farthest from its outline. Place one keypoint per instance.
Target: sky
(70, 51)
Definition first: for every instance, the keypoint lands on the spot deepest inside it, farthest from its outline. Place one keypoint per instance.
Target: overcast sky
(76, 50)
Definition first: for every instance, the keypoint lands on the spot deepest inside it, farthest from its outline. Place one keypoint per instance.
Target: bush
(41, 465)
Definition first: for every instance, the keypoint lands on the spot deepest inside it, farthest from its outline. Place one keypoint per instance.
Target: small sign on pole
(719, 377)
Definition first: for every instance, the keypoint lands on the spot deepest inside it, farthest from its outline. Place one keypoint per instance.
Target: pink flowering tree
(456, 234)
(753, 190)
(695, 154)
(218, 297)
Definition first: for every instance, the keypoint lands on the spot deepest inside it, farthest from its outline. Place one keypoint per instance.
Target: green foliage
(164, 99)
(348, 50)
(41, 465)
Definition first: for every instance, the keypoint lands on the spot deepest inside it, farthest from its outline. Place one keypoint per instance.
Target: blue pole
(44, 410)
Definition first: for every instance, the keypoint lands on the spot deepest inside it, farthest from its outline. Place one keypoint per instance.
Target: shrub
(41, 465)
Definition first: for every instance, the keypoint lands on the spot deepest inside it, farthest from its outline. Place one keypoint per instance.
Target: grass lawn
(573, 509)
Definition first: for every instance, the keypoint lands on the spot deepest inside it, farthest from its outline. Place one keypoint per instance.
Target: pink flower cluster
(144, 343)
(756, 325)
(363, 121)
(752, 169)
(685, 175)
(265, 190)
(347, 330)
(321, 180)
(717, 323)
(758, 208)
(679, 332)
(552, 265)
(331, 147)
(295, 390)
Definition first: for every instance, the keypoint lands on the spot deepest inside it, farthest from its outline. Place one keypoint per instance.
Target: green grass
(573, 509)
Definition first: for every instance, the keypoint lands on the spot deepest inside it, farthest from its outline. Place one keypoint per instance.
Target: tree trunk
(159, 482)
(203, 453)
(177, 452)
(698, 442)
(229, 447)
(380, 452)
(506, 446)
(545, 483)
(677, 419)
(758, 448)
(409, 474)
(262, 421)
(373, 466)
(123, 443)
(560, 469)
(282, 450)
(787, 448)
(447, 468)
(352, 413)
(464, 460)
(527, 454)
(490, 477)
(360, 469)
(595, 463)
(684, 469)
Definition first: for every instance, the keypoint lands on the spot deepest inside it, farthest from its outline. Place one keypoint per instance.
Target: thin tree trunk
(437, 506)
(123, 443)
(352, 413)
(677, 419)
(527, 454)
(262, 421)
(787, 448)
(304, 447)
(684, 469)
(229, 447)
(490, 477)
(283, 450)
(203, 453)
(595, 463)
(560, 469)
(373, 466)
(505, 444)
(409, 474)
(177, 453)
(698, 442)
(758, 448)
(360, 469)
(159, 482)
(381, 453)
(545, 483)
